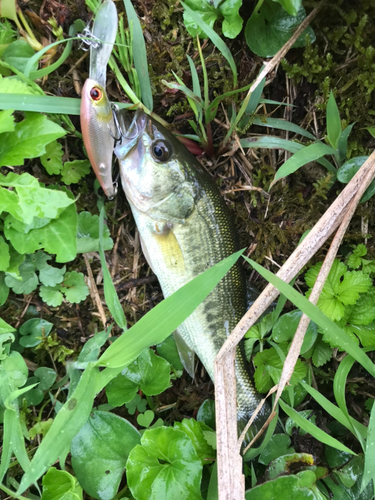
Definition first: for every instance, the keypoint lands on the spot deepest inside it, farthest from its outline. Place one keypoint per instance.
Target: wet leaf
(99, 453)
(206, 413)
(165, 465)
(195, 431)
(278, 445)
(286, 463)
(16, 369)
(168, 350)
(299, 487)
(60, 485)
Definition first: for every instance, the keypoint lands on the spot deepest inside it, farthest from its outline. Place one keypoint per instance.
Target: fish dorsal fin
(187, 355)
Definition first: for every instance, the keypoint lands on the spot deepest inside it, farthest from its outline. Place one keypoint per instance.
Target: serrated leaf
(51, 160)
(365, 333)
(363, 312)
(9, 85)
(354, 283)
(73, 171)
(29, 139)
(51, 276)
(4, 255)
(51, 295)
(354, 261)
(322, 353)
(74, 287)
(88, 234)
(57, 237)
(6, 121)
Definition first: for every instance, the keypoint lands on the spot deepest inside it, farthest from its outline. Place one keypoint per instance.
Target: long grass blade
(280, 124)
(369, 468)
(140, 55)
(271, 142)
(215, 39)
(312, 429)
(194, 77)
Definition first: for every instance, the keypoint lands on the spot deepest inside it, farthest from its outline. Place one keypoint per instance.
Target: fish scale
(185, 228)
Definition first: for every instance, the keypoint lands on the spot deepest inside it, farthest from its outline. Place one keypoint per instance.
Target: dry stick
(94, 291)
(231, 481)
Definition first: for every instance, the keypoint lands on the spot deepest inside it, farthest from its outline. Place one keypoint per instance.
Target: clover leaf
(165, 465)
(74, 287)
(209, 12)
(137, 403)
(27, 281)
(51, 160)
(33, 331)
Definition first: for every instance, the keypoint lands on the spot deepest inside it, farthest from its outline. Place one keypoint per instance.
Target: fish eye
(96, 94)
(161, 150)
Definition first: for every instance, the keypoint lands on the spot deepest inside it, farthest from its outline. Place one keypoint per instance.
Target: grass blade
(110, 294)
(163, 319)
(66, 425)
(271, 142)
(215, 39)
(332, 331)
(280, 124)
(333, 121)
(45, 104)
(334, 411)
(307, 154)
(369, 468)
(140, 55)
(194, 77)
(312, 429)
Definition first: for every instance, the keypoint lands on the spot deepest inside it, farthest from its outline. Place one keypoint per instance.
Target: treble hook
(115, 108)
(88, 39)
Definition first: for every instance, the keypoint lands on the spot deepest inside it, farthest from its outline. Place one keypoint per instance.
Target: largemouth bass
(185, 228)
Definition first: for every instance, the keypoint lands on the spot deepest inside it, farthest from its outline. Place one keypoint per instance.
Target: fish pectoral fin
(169, 248)
(187, 355)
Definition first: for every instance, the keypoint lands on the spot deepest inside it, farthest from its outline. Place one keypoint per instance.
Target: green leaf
(302, 157)
(145, 419)
(368, 470)
(206, 413)
(140, 55)
(269, 28)
(354, 283)
(4, 255)
(100, 451)
(5, 328)
(322, 353)
(152, 378)
(215, 39)
(51, 160)
(168, 350)
(137, 403)
(33, 331)
(58, 237)
(354, 260)
(286, 326)
(291, 6)
(333, 121)
(209, 13)
(6, 121)
(4, 290)
(278, 123)
(73, 171)
(27, 281)
(51, 295)
(348, 170)
(51, 276)
(88, 234)
(74, 287)
(363, 312)
(194, 431)
(299, 487)
(60, 485)
(46, 377)
(165, 465)
(91, 349)
(16, 369)
(278, 445)
(17, 54)
(29, 139)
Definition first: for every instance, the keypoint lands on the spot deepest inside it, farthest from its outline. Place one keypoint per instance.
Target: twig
(94, 291)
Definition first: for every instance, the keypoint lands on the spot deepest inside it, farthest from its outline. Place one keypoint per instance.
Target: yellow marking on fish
(170, 249)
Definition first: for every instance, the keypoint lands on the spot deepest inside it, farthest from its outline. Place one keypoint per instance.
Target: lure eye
(96, 94)
(161, 151)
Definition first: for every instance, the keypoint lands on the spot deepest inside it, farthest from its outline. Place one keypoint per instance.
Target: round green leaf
(99, 453)
(347, 171)
(16, 369)
(18, 54)
(33, 331)
(60, 485)
(206, 413)
(34, 396)
(46, 377)
(165, 466)
(286, 327)
(278, 445)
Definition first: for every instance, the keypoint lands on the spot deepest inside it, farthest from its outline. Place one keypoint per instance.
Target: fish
(98, 131)
(185, 228)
